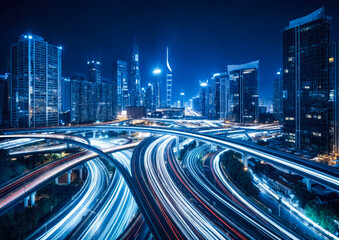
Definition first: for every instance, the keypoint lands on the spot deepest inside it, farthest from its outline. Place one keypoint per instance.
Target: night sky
(203, 36)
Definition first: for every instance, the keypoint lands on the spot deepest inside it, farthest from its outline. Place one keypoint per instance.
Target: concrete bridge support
(69, 175)
(26, 201)
(33, 199)
(80, 171)
(245, 158)
(308, 184)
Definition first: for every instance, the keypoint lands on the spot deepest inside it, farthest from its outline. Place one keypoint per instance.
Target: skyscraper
(65, 93)
(168, 82)
(157, 88)
(196, 104)
(80, 91)
(334, 70)
(217, 95)
(143, 97)
(4, 100)
(94, 71)
(120, 86)
(242, 93)
(182, 100)
(65, 88)
(135, 77)
(95, 91)
(35, 82)
(203, 98)
(278, 97)
(107, 100)
(149, 98)
(308, 88)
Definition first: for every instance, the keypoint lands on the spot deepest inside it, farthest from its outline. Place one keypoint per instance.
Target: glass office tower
(35, 82)
(120, 86)
(278, 97)
(242, 93)
(217, 96)
(135, 77)
(95, 95)
(308, 88)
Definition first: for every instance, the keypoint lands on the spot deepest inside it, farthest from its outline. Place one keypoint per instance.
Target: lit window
(319, 116)
(308, 116)
(285, 94)
(286, 70)
(290, 59)
(331, 59)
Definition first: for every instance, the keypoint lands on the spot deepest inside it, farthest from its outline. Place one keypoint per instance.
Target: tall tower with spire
(135, 76)
(168, 82)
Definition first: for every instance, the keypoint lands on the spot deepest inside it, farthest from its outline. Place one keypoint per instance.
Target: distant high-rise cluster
(232, 95)
(305, 90)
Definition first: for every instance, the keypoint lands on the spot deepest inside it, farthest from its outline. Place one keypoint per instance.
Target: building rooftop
(31, 36)
(318, 14)
(254, 64)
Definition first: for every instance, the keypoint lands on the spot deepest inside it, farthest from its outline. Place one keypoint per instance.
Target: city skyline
(170, 120)
(189, 63)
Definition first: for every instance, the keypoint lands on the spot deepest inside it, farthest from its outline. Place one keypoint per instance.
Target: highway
(18, 188)
(158, 219)
(170, 206)
(6, 145)
(181, 216)
(228, 200)
(114, 211)
(63, 223)
(317, 172)
(224, 205)
(137, 230)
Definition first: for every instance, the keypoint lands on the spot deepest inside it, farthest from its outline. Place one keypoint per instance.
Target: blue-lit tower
(168, 82)
(35, 82)
(308, 88)
(135, 77)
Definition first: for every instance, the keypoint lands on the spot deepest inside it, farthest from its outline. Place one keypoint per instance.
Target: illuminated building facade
(135, 77)
(278, 97)
(308, 87)
(217, 96)
(168, 82)
(203, 98)
(157, 88)
(182, 100)
(242, 93)
(121, 94)
(35, 69)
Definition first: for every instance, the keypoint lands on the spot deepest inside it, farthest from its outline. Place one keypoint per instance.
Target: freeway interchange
(175, 200)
